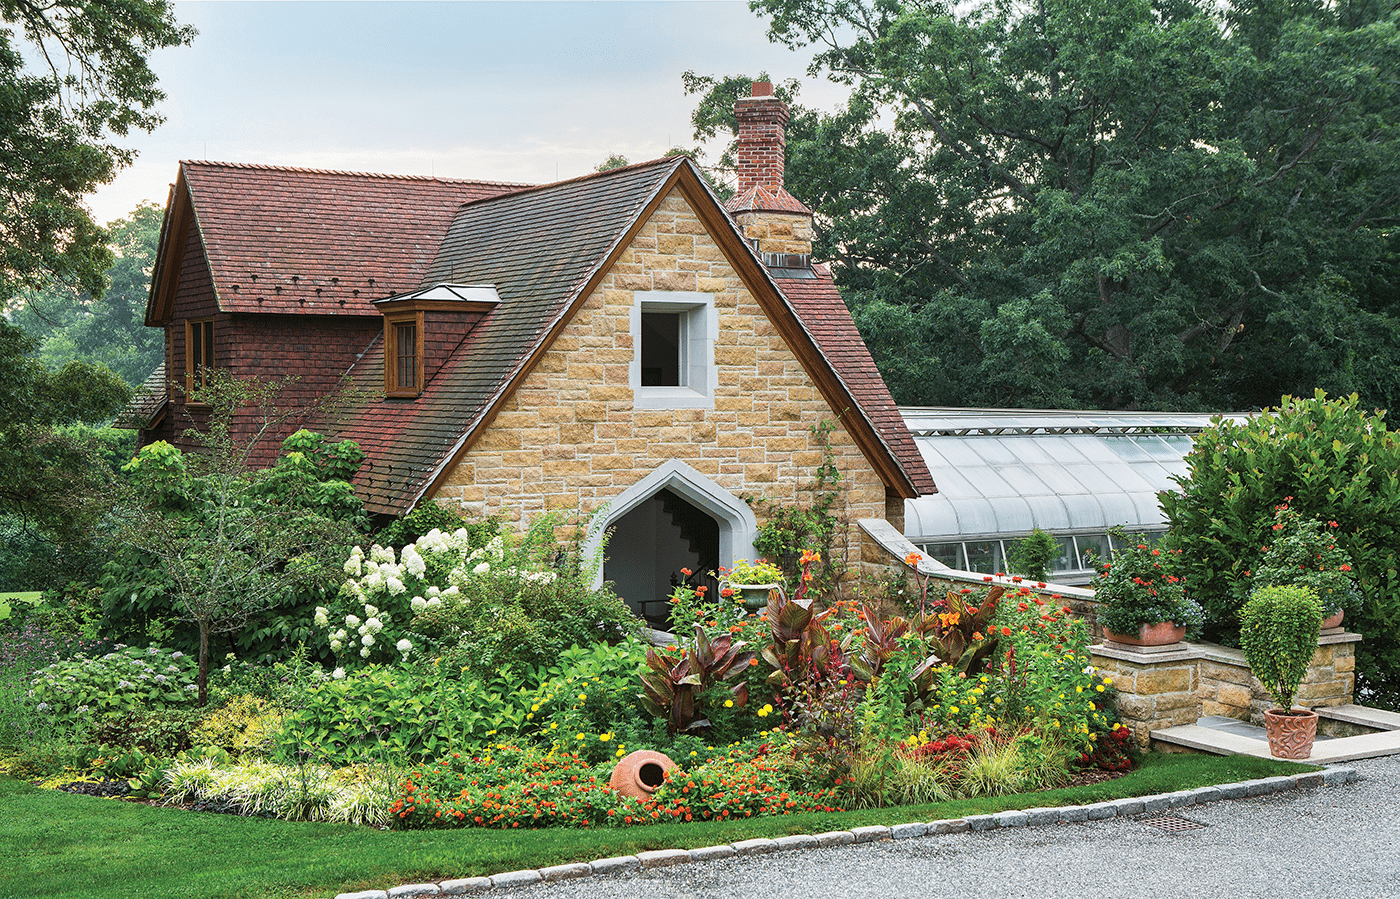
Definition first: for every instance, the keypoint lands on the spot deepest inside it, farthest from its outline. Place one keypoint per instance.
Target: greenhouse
(1003, 472)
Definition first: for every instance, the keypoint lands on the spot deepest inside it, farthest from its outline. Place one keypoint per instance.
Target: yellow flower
(583, 697)
(580, 737)
(1099, 688)
(535, 707)
(605, 737)
(1108, 680)
(953, 709)
(553, 725)
(621, 752)
(729, 703)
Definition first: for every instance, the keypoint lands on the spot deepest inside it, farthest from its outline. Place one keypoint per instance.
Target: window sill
(670, 398)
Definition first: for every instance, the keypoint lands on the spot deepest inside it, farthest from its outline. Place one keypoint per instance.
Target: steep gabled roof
(290, 240)
(819, 305)
(540, 248)
(544, 249)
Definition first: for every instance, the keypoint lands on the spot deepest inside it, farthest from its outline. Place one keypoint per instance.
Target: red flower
(1346, 567)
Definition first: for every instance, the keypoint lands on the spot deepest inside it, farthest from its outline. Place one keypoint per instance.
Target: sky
(501, 91)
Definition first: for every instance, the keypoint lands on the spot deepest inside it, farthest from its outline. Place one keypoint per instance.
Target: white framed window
(673, 350)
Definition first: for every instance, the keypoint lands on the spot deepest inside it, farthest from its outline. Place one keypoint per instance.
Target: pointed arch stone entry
(661, 524)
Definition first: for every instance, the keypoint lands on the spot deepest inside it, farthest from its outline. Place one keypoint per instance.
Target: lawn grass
(61, 846)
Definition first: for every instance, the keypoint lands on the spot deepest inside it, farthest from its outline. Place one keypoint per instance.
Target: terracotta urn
(1291, 734)
(1334, 621)
(640, 773)
(1159, 634)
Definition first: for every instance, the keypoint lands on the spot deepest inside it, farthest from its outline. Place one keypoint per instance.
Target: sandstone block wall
(570, 438)
(777, 232)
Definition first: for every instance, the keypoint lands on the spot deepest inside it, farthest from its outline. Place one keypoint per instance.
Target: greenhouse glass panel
(985, 556)
(950, 554)
(1093, 550)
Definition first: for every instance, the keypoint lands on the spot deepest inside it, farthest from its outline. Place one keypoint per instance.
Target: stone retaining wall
(1170, 688)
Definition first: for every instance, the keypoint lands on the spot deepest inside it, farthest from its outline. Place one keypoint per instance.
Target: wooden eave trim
(396, 307)
(160, 302)
(803, 344)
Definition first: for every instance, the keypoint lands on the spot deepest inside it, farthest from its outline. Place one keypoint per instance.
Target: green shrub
(244, 724)
(1031, 556)
(162, 732)
(129, 680)
(1338, 463)
(1278, 633)
(589, 705)
(378, 714)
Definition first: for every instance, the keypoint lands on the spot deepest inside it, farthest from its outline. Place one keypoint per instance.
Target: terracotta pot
(1291, 734)
(1159, 634)
(640, 773)
(1334, 621)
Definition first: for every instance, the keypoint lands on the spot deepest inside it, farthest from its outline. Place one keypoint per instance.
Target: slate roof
(311, 240)
(539, 247)
(146, 404)
(820, 307)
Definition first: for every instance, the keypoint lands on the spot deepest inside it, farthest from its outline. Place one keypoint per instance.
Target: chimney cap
(762, 89)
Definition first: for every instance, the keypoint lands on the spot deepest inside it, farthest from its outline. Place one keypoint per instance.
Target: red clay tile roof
(760, 198)
(309, 240)
(819, 306)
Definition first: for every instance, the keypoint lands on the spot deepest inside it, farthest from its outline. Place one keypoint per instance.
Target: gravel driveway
(1334, 842)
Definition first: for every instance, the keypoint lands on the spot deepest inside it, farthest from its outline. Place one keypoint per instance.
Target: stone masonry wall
(569, 438)
(777, 232)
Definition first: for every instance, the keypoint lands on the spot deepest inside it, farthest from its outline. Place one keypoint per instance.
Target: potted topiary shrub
(1141, 602)
(1303, 552)
(1278, 633)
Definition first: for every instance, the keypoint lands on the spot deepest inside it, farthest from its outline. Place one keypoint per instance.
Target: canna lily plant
(673, 687)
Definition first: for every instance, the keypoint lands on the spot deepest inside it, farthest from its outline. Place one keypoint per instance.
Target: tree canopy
(1134, 204)
(69, 323)
(74, 79)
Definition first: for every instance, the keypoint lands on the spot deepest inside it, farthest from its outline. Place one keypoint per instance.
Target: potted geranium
(1278, 633)
(751, 582)
(1303, 552)
(1141, 602)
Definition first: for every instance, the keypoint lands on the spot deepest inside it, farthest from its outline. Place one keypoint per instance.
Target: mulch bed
(1090, 776)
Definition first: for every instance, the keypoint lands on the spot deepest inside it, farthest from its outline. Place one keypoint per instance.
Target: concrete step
(1341, 749)
(1377, 719)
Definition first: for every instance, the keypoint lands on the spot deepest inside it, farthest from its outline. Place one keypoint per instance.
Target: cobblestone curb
(1034, 817)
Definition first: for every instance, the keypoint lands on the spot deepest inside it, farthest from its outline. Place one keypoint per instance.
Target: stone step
(1378, 719)
(1341, 749)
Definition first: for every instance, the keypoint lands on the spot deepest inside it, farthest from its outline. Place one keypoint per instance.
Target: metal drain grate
(1169, 823)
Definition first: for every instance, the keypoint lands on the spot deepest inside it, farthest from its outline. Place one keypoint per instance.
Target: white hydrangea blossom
(371, 611)
(352, 621)
(374, 625)
(364, 653)
(412, 562)
(481, 568)
(404, 646)
(321, 613)
(396, 587)
(367, 640)
(435, 602)
(417, 604)
(354, 563)
(381, 554)
(338, 674)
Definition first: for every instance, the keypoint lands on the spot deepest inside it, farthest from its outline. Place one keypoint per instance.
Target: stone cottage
(621, 341)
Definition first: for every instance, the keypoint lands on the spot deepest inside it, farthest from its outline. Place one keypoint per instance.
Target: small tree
(1031, 556)
(1278, 633)
(230, 540)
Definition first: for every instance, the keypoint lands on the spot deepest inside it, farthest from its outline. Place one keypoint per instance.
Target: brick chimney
(775, 221)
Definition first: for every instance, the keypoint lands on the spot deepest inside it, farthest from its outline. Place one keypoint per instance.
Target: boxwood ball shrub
(1278, 633)
(1338, 463)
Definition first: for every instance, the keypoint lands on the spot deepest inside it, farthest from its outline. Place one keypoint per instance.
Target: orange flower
(685, 571)
(912, 559)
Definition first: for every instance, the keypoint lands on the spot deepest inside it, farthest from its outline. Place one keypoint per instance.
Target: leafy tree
(52, 480)
(70, 323)
(1326, 459)
(231, 542)
(60, 118)
(1185, 204)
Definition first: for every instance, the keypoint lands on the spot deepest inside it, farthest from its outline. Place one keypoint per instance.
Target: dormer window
(403, 355)
(422, 328)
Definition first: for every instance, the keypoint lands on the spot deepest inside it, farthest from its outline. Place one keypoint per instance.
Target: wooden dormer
(422, 328)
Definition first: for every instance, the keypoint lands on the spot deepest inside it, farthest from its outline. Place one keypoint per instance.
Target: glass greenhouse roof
(1010, 471)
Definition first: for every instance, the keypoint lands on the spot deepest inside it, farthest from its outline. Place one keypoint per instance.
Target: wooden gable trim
(170, 254)
(722, 230)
